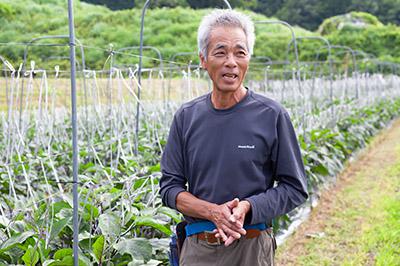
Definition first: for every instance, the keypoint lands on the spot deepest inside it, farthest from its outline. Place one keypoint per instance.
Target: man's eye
(219, 53)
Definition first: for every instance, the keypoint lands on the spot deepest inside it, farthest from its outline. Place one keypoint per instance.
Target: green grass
(364, 227)
(382, 240)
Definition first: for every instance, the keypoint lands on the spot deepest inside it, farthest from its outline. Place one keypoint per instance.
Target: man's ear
(203, 61)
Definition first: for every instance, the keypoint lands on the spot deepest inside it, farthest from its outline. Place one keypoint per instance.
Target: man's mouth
(230, 76)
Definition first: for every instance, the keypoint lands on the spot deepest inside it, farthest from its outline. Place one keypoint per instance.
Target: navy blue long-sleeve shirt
(218, 155)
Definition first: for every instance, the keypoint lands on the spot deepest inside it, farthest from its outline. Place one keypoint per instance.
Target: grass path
(357, 221)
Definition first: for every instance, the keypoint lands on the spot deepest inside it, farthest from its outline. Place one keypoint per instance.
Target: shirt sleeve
(289, 173)
(172, 181)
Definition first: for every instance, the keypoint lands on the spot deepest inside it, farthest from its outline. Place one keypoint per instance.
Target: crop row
(121, 216)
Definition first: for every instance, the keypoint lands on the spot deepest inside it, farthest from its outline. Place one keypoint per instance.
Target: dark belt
(210, 238)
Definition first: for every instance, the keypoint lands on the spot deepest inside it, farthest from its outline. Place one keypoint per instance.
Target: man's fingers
(236, 217)
(229, 241)
(230, 232)
(233, 203)
(222, 234)
(233, 227)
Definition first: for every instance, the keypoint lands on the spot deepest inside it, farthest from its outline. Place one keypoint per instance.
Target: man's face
(227, 59)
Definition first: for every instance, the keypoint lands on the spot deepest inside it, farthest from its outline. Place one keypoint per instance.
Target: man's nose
(230, 60)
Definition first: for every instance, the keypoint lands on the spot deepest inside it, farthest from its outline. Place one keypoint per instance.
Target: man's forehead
(224, 45)
(227, 35)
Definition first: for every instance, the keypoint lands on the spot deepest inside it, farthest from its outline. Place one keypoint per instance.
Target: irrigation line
(74, 132)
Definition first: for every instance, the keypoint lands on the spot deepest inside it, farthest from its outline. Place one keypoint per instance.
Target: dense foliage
(306, 13)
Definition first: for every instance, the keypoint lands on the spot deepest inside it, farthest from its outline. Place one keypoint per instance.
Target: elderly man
(230, 147)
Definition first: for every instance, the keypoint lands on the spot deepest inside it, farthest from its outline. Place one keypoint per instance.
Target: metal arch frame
(353, 55)
(287, 25)
(170, 68)
(343, 47)
(174, 56)
(267, 62)
(30, 43)
(254, 65)
(145, 6)
(267, 58)
(366, 56)
(349, 49)
(48, 37)
(383, 63)
(147, 47)
(327, 43)
(171, 60)
(62, 57)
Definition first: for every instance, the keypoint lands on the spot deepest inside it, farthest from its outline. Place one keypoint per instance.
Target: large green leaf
(16, 239)
(31, 256)
(58, 206)
(171, 213)
(62, 253)
(138, 248)
(90, 212)
(98, 248)
(150, 221)
(320, 169)
(58, 227)
(109, 224)
(155, 168)
(66, 261)
(64, 257)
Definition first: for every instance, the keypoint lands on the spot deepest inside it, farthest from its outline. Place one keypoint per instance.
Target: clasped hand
(229, 220)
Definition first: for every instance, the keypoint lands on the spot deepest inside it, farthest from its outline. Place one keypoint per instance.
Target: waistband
(198, 227)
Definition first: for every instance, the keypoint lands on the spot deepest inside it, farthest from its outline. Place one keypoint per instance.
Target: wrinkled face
(227, 59)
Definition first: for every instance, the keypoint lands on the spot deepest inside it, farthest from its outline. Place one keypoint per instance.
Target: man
(230, 146)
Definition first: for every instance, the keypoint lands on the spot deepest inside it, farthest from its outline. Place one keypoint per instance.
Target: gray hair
(227, 18)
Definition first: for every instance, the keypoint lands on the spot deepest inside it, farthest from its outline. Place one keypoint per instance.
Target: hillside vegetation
(305, 13)
(170, 30)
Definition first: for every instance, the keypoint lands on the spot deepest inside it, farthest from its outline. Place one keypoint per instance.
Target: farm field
(359, 213)
(119, 169)
(338, 103)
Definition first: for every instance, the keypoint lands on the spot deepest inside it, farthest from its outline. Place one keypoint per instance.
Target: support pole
(74, 131)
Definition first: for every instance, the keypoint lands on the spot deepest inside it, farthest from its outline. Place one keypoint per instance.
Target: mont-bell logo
(246, 146)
